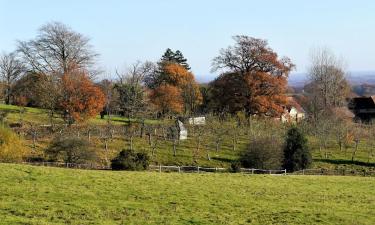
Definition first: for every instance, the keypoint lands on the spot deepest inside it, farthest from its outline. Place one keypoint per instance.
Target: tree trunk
(174, 147)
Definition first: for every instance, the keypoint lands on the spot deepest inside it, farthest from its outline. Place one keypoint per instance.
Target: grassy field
(40, 195)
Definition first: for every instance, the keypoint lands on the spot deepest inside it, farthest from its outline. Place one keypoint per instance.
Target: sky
(124, 31)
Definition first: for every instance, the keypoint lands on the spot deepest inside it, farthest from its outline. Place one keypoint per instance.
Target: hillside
(186, 151)
(40, 195)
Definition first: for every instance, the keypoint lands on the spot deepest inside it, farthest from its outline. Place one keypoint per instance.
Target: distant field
(40, 195)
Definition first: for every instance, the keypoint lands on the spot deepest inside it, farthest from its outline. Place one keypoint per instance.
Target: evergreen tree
(168, 56)
(174, 57)
(297, 155)
(180, 59)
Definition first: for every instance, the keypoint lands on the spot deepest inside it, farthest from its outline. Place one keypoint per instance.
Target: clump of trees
(174, 78)
(130, 160)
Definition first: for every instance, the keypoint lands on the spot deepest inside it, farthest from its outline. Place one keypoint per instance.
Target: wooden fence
(199, 169)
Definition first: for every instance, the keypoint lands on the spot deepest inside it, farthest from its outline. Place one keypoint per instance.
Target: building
(363, 108)
(293, 112)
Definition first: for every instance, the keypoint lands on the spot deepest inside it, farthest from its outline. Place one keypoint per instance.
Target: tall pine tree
(174, 57)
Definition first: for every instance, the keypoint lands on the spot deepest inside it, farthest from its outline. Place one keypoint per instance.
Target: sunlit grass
(40, 195)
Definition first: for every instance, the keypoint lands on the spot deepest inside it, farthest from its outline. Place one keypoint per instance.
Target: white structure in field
(201, 120)
(182, 131)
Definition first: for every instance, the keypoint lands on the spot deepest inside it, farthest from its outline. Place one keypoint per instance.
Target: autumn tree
(159, 75)
(57, 51)
(181, 78)
(254, 78)
(167, 99)
(11, 69)
(80, 98)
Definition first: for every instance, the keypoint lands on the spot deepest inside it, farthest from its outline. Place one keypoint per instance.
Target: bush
(264, 152)
(297, 155)
(129, 160)
(12, 147)
(235, 167)
(71, 150)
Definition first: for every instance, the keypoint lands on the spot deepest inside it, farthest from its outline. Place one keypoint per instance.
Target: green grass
(41, 195)
(40, 116)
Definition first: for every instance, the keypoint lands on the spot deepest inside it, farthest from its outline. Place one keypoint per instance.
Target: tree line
(57, 71)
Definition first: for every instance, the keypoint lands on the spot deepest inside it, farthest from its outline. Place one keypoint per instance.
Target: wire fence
(335, 172)
(199, 169)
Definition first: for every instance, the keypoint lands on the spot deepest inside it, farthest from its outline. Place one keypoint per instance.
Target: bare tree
(328, 86)
(136, 73)
(11, 69)
(132, 95)
(249, 55)
(57, 49)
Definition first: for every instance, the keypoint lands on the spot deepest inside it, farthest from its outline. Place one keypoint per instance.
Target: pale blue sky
(124, 31)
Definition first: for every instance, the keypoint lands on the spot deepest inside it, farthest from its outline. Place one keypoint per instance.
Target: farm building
(293, 112)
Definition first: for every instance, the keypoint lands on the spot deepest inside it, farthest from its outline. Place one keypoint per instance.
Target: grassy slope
(40, 195)
(164, 152)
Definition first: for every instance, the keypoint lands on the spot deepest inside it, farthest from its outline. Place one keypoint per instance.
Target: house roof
(364, 102)
(291, 102)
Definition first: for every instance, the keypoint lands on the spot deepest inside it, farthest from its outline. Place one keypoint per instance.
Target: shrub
(264, 152)
(12, 147)
(129, 160)
(297, 155)
(235, 167)
(71, 150)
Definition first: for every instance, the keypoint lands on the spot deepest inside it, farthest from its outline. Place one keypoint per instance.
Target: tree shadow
(223, 159)
(346, 161)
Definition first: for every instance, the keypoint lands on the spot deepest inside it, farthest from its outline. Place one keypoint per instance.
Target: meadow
(41, 195)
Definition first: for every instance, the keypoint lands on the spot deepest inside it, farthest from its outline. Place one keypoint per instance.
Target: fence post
(303, 172)
(179, 169)
(159, 168)
(270, 171)
(252, 171)
(198, 168)
(284, 171)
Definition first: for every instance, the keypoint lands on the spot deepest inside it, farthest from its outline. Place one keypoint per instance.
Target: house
(293, 112)
(363, 108)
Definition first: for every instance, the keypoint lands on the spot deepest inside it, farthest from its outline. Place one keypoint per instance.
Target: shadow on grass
(10, 110)
(347, 162)
(223, 159)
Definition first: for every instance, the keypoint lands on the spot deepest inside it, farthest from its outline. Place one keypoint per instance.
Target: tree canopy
(255, 79)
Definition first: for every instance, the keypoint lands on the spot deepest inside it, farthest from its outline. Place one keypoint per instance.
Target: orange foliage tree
(81, 99)
(255, 79)
(175, 75)
(167, 99)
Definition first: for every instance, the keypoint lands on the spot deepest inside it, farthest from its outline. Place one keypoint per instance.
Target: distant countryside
(259, 141)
